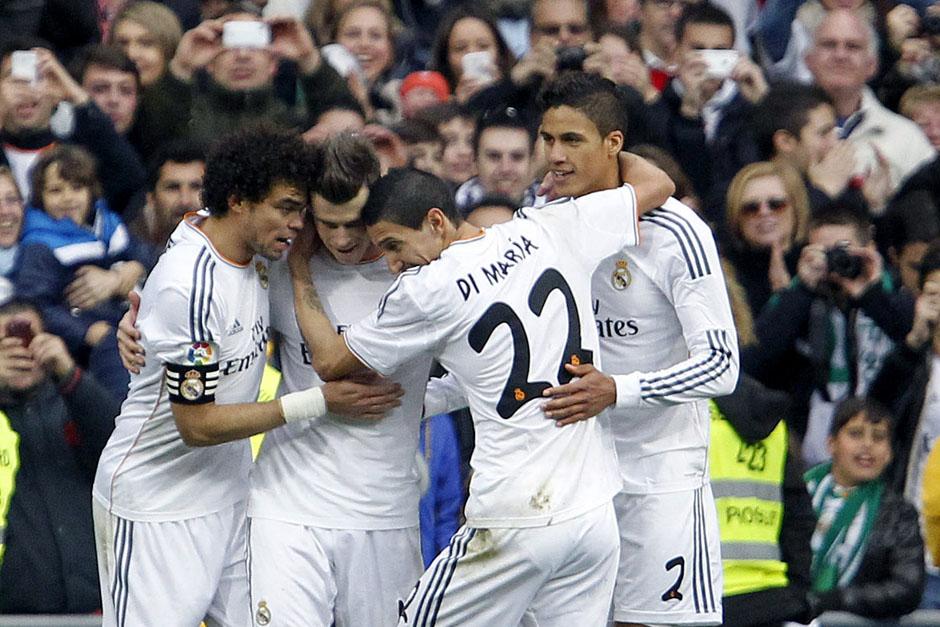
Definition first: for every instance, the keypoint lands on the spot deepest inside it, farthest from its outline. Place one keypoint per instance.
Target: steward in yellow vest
(764, 512)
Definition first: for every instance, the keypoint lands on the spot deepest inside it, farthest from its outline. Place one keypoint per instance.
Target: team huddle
(584, 336)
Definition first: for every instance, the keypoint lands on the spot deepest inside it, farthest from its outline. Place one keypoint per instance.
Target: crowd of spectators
(804, 131)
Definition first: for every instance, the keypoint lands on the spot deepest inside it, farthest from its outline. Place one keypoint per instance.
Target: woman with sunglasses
(767, 210)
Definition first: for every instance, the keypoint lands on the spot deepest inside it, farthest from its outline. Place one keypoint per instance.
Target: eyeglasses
(774, 204)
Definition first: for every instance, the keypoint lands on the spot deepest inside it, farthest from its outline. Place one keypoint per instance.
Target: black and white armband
(189, 384)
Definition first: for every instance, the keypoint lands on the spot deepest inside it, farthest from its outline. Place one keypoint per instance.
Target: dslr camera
(840, 261)
(570, 58)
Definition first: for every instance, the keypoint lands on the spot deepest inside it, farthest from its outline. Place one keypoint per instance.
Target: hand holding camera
(926, 316)
(197, 49)
(844, 267)
(289, 39)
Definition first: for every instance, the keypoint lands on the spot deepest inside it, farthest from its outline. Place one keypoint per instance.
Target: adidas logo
(235, 328)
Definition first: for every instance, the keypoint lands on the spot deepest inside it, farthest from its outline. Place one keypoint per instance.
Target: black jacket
(754, 412)
(890, 579)
(49, 566)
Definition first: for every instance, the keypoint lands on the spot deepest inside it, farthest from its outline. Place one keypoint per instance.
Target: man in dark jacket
(54, 421)
(215, 88)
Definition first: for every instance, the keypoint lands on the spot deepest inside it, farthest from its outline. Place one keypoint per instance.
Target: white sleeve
(442, 395)
(600, 223)
(398, 331)
(695, 285)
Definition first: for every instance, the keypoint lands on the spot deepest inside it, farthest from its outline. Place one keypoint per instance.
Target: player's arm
(443, 395)
(330, 356)
(651, 185)
(202, 422)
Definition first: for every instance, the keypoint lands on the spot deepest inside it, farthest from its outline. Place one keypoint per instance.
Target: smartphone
(18, 327)
(341, 59)
(719, 63)
(477, 65)
(24, 65)
(246, 34)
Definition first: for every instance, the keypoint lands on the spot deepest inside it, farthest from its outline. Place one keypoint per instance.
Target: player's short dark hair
(349, 163)
(929, 263)
(704, 13)
(786, 107)
(76, 166)
(103, 55)
(405, 195)
(174, 151)
(591, 94)
(503, 117)
(873, 411)
(840, 215)
(417, 131)
(247, 164)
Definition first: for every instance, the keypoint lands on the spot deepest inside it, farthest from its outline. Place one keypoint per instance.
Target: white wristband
(303, 405)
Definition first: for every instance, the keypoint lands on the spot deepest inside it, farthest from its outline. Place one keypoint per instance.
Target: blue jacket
(441, 505)
(52, 250)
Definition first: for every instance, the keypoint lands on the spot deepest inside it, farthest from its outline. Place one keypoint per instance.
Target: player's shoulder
(675, 228)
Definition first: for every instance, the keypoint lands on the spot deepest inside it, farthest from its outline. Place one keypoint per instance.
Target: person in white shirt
(504, 310)
(333, 505)
(172, 483)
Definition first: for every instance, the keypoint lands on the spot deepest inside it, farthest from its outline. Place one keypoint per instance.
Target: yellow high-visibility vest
(9, 465)
(747, 481)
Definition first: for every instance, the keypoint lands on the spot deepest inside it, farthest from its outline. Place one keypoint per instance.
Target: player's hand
(362, 398)
(128, 337)
(584, 397)
(91, 287)
(50, 351)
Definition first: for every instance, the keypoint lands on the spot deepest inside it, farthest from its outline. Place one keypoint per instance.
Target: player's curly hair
(591, 94)
(245, 165)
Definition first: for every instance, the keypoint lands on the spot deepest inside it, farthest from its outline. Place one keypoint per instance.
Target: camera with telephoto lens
(570, 58)
(840, 261)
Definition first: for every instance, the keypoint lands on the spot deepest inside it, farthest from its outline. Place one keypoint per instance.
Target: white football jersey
(503, 312)
(332, 471)
(662, 314)
(199, 314)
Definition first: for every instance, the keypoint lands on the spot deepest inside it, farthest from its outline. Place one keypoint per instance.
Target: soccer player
(665, 327)
(334, 502)
(172, 483)
(503, 310)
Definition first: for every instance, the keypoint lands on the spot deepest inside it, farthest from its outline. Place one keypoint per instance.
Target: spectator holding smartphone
(55, 419)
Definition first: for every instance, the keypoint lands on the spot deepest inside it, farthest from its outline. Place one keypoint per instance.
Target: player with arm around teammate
(504, 310)
(172, 482)
(665, 329)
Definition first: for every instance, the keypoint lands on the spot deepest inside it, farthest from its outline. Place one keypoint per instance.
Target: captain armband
(189, 384)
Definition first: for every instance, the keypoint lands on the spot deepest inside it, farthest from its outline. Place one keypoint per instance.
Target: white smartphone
(246, 34)
(719, 63)
(477, 65)
(24, 65)
(341, 59)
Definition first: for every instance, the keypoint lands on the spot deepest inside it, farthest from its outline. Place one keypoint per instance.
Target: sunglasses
(774, 204)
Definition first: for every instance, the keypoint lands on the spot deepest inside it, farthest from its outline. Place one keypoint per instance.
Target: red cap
(432, 80)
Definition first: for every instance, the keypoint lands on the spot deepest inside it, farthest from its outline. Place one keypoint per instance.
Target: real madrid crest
(262, 271)
(192, 387)
(621, 277)
(263, 615)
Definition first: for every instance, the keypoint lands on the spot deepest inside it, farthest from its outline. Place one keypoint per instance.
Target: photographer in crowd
(824, 338)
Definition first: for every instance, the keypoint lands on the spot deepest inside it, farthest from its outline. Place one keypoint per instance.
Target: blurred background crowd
(804, 132)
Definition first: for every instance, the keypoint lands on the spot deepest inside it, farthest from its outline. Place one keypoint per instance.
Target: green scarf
(828, 570)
